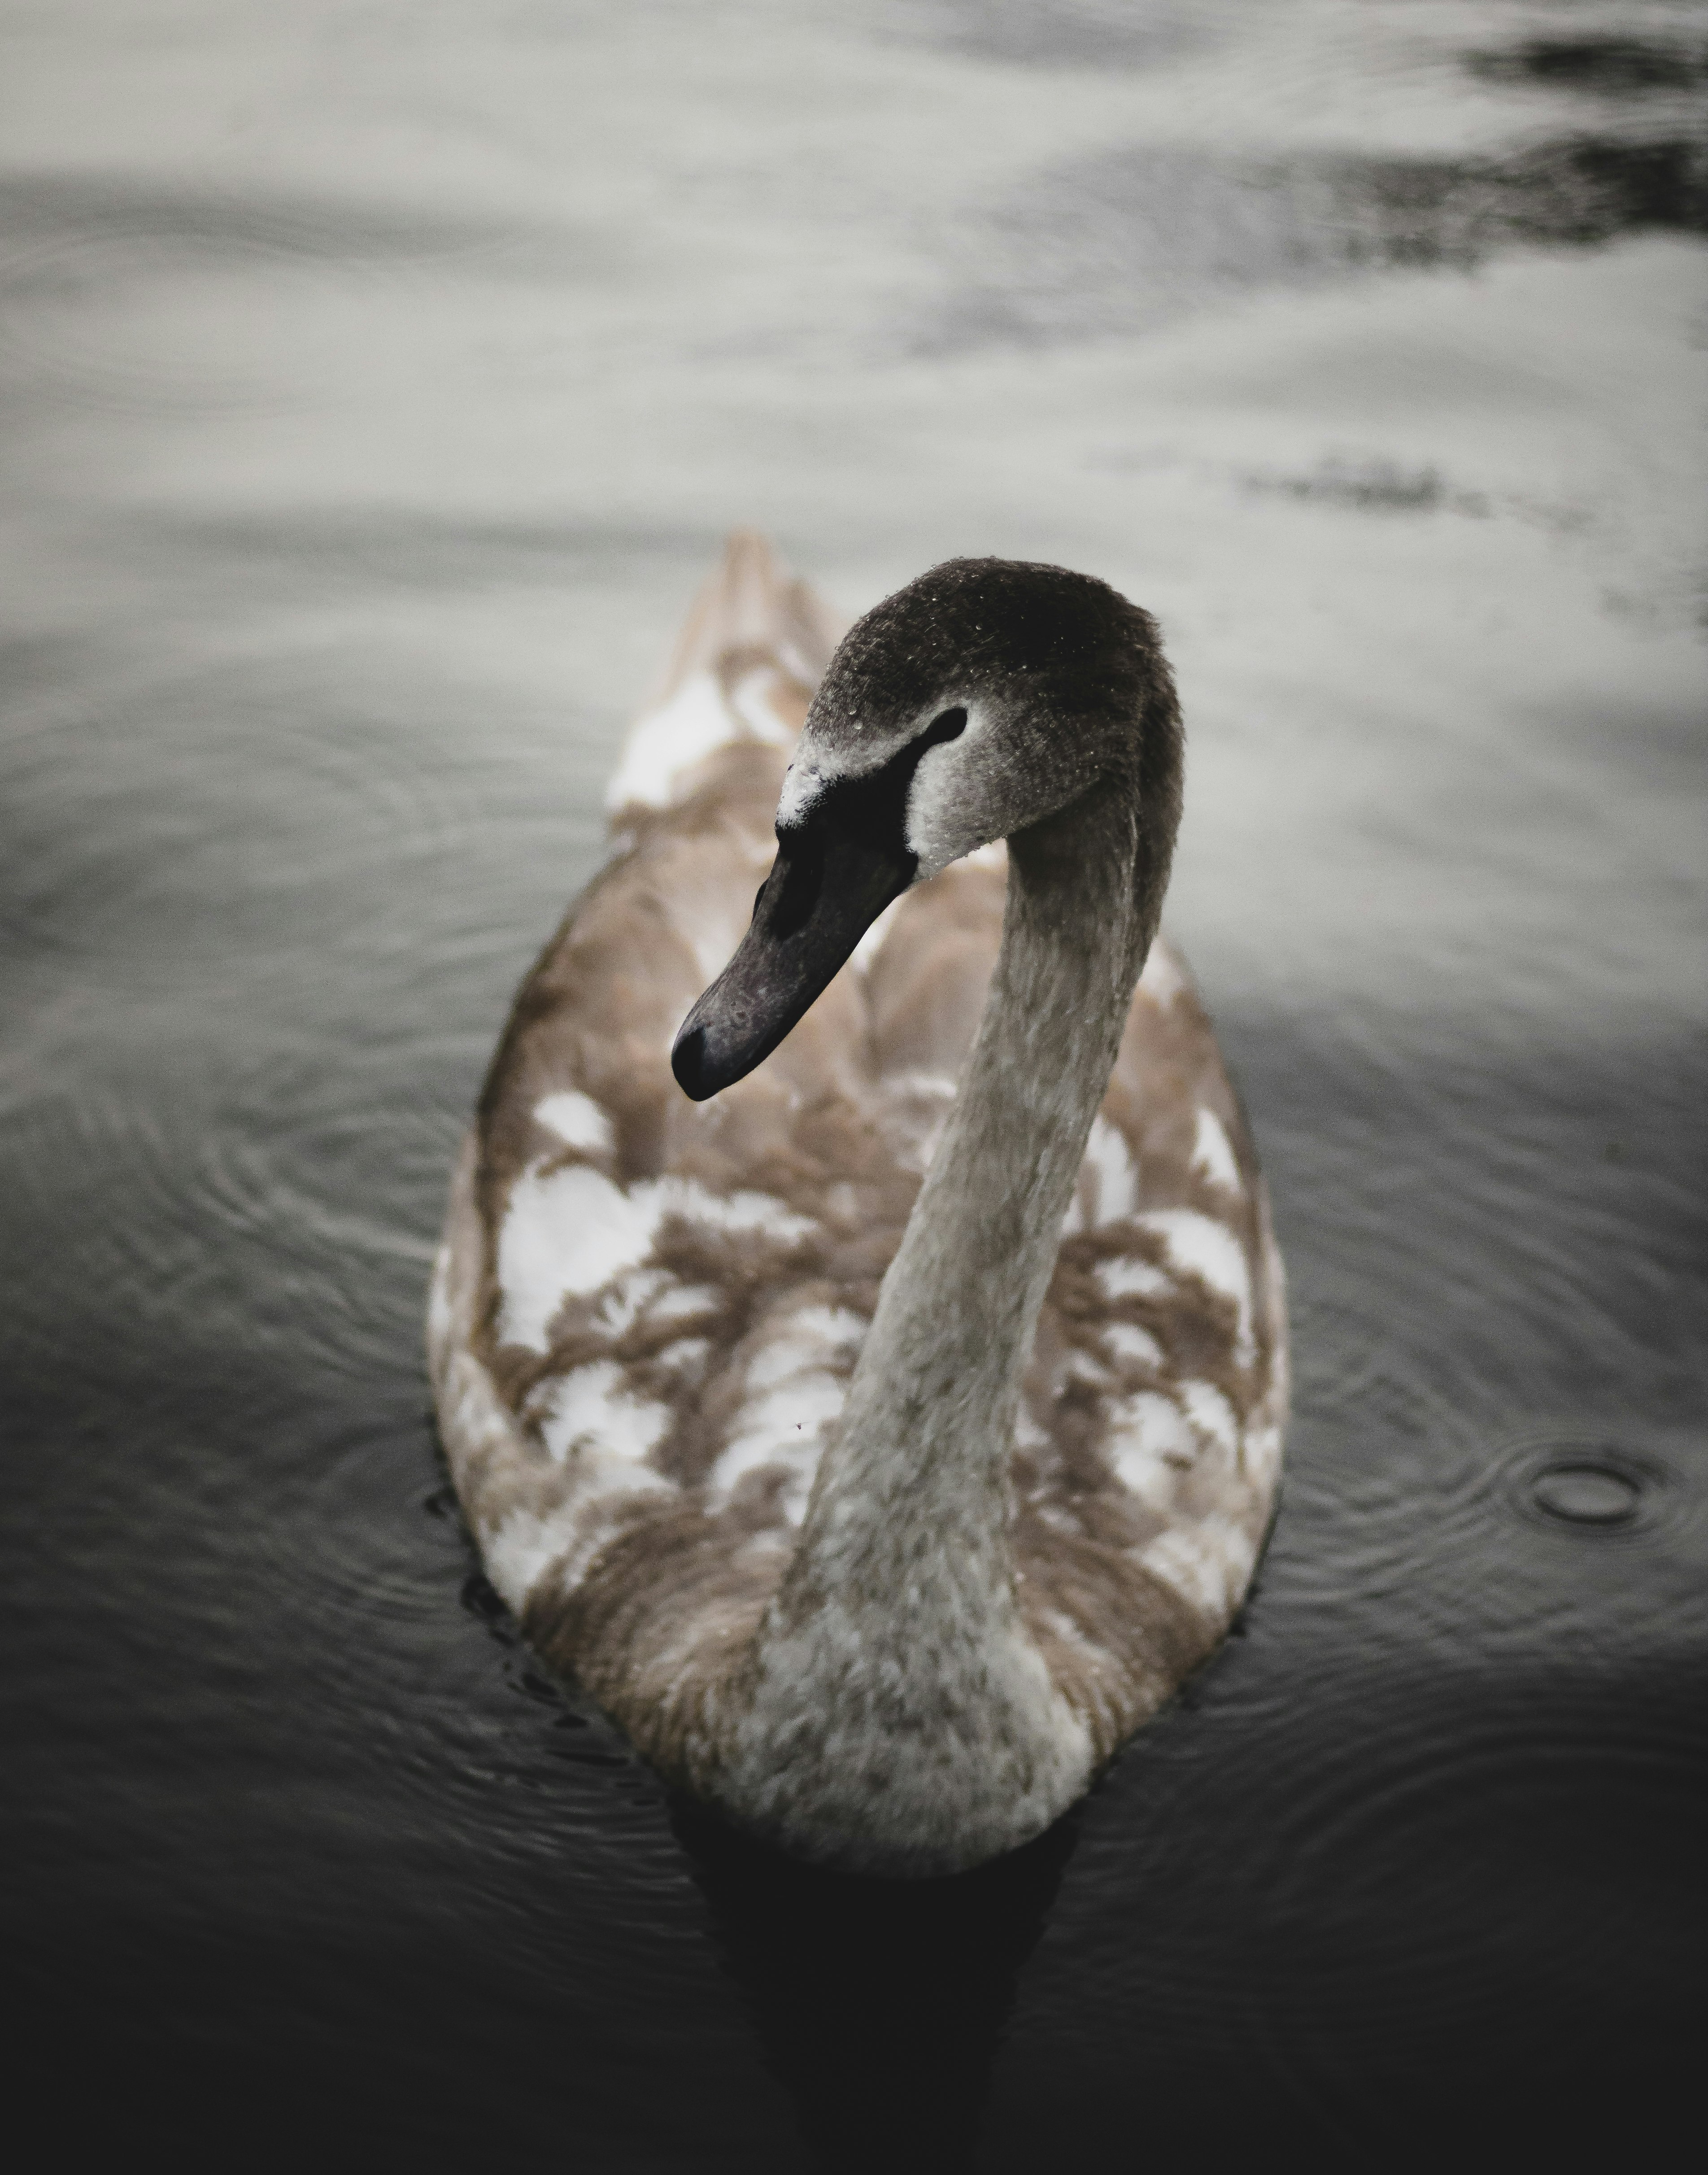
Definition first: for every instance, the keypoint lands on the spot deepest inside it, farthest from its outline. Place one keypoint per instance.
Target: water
(379, 382)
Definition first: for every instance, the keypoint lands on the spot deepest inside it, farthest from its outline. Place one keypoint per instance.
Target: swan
(858, 1339)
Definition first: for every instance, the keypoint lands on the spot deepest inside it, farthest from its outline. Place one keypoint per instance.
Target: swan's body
(888, 1581)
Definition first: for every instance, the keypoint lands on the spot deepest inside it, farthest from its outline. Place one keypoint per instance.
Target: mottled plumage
(647, 1310)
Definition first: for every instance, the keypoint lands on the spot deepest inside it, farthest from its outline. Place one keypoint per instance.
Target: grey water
(377, 382)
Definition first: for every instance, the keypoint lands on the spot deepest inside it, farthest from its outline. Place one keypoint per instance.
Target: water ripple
(117, 294)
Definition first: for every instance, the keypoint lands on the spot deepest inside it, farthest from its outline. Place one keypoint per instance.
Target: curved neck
(909, 1519)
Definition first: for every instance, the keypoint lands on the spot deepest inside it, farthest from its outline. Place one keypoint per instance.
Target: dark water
(377, 382)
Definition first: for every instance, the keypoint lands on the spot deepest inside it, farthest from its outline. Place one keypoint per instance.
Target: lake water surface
(377, 382)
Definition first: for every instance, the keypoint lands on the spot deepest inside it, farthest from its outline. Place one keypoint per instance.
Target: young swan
(885, 1575)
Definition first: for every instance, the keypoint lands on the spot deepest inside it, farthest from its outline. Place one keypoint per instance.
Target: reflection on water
(1610, 66)
(377, 384)
(1131, 238)
(879, 2004)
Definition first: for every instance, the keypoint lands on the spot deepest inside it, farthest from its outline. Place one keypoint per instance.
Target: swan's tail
(749, 603)
(752, 649)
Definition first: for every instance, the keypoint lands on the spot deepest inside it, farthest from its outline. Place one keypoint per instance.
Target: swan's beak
(824, 892)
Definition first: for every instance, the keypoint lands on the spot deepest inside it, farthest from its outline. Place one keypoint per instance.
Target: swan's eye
(949, 726)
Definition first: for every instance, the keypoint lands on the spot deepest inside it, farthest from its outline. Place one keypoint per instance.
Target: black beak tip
(694, 1075)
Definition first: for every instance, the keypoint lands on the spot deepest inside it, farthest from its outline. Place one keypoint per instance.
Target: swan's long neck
(892, 1664)
(928, 1423)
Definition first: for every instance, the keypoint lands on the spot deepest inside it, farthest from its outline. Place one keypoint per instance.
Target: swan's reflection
(879, 2004)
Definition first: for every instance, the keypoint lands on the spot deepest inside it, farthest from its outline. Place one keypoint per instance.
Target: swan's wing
(1149, 1437)
(647, 1310)
(1151, 1442)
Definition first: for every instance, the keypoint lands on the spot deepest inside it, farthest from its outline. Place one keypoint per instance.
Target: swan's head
(983, 697)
